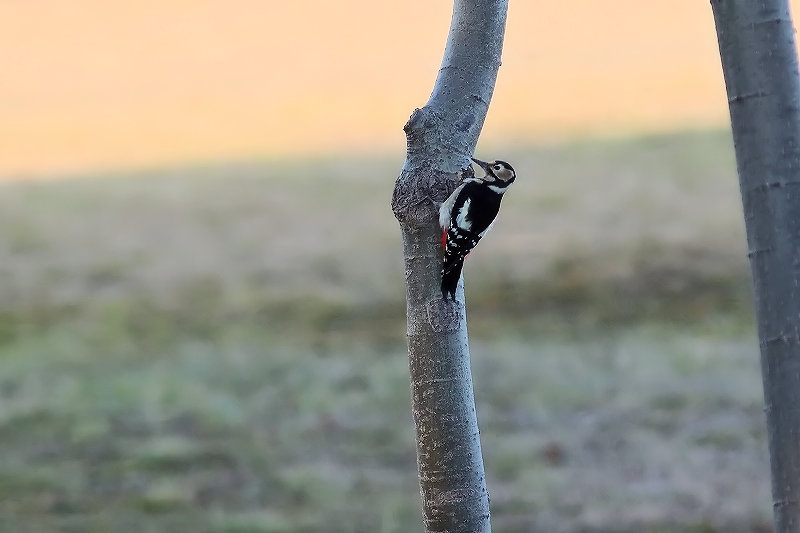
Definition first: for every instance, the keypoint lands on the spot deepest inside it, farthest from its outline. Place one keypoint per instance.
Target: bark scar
(770, 185)
(759, 251)
(785, 503)
(785, 338)
(454, 496)
(444, 316)
(747, 96)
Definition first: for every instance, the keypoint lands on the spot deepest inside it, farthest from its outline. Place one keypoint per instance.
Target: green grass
(189, 350)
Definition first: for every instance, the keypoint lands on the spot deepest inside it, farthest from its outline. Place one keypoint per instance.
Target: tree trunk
(759, 60)
(440, 138)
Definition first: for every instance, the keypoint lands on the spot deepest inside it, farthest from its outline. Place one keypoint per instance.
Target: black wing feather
(483, 208)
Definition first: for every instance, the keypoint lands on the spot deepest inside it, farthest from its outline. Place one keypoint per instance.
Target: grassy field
(198, 350)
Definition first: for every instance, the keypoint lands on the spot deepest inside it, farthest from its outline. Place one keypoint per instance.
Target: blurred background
(201, 285)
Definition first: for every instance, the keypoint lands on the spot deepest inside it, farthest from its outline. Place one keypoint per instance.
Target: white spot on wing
(461, 217)
(447, 207)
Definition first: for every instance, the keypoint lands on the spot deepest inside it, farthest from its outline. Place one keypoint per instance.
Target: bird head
(496, 171)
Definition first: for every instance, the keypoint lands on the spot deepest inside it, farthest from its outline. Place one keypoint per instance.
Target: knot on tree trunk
(433, 167)
(434, 135)
(421, 120)
(418, 194)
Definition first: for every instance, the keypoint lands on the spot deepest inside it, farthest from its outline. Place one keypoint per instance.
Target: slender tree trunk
(440, 138)
(759, 59)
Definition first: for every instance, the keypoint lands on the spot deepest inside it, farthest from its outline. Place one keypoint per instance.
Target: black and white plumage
(467, 215)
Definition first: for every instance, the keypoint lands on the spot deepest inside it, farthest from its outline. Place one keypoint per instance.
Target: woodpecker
(468, 214)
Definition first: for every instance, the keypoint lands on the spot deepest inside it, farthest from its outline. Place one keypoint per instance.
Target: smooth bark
(440, 138)
(759, 60)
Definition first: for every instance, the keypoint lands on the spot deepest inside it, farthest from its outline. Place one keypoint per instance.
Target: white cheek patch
(498, 190)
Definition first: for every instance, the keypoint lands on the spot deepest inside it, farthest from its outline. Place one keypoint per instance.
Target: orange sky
(90, 84)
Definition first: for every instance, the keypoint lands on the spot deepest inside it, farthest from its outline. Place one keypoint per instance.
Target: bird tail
(451, 272)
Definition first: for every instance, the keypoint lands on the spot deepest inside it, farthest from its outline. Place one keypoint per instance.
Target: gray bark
(440, 138)
(759, 60)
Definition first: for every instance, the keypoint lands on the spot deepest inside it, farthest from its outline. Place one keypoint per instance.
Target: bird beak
(483, 164)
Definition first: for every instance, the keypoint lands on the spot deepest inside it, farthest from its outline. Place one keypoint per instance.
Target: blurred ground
(198, 350)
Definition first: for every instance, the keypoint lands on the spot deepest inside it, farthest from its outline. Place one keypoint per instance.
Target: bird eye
(498, 167)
